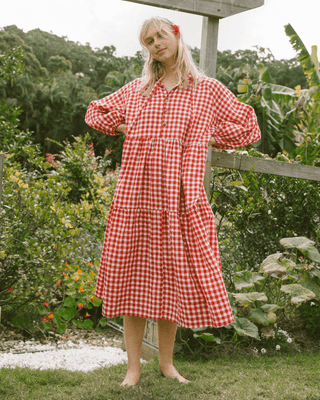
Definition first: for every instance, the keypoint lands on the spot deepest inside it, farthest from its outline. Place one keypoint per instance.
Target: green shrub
(47, 239)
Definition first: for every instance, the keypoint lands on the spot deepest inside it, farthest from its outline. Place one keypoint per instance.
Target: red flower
(176, 29)
(87, 315)
(9, 289)
(45, 303)
(80, 305)
(45, 318)
(51, 315)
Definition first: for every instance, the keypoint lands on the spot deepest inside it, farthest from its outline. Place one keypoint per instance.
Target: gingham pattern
(160, 257)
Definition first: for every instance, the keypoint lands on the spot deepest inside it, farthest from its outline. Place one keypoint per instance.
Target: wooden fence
(262, 165)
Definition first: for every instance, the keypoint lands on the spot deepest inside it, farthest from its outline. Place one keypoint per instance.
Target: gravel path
(75, 351)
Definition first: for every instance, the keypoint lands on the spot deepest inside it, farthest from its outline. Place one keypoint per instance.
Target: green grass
(283, 377)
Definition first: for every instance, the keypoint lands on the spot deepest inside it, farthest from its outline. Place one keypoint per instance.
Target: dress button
(164, 124)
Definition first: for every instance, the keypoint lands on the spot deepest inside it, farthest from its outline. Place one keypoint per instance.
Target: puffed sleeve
(107, 113)
(235, 123)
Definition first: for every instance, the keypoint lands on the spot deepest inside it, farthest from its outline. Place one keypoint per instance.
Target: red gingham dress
(160, 257)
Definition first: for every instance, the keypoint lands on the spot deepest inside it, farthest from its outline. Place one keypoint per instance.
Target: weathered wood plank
(207, 8)
(209, 46)
(245, 163)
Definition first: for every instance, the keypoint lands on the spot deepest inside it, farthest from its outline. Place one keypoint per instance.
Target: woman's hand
(212, 141)
(121, 129)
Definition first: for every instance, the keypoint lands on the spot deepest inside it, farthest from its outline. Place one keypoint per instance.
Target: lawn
(279, 377)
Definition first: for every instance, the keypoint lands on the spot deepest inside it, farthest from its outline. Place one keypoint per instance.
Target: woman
(160, 257)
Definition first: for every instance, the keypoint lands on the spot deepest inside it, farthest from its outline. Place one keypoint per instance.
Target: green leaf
(42, 310)
(307, 282)
(245, 328)
(208, 337)
(245, 299)
(300, 242)
(315, 272)
(271, 265)
(298, 293)
(97, 302)
(47, 325)
(67, 313)
(259, 317)
(313, 254)
(61, 328)
(69, 302)
(77, 323)
(269, 307)
(87, 324)
(20, 322)
(199, 329)
(247, 279)
(103, 321)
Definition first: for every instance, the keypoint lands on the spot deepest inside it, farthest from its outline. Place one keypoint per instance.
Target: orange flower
(90, 264)
(91, 298)
(66, 264)
(51, 315)
(80, 305)
(93, 272)
(87, 315)
(76, 278)
(58, 283)
(46, 303)
(45, 318)
(66, 269)
(79, 271)
(81, 290)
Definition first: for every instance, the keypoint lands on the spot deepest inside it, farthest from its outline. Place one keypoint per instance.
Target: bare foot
(132, 377)
(170, 372)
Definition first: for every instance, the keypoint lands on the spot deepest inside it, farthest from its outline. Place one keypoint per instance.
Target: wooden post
(208, 64)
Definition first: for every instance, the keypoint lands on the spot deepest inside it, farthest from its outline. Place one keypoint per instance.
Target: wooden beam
(209, 46)
(208, 64)
(245, 163)
(207, 8)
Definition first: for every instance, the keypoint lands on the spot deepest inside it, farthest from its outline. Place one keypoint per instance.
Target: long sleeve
(107, 113)
(235, 122)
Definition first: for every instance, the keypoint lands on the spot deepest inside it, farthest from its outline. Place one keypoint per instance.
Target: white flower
(289, 340)
(278, 347)
(263, 351)
(312, 304)
(255, 350)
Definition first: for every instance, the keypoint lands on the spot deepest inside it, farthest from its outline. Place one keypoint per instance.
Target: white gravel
(72, 357)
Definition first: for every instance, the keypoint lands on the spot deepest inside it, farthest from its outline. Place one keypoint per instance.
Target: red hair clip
(176, 29)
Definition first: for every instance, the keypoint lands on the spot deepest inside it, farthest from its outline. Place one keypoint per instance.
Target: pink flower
(50, 159)
(176, 29)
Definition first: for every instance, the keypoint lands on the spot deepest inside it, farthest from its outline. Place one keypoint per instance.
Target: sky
(117, 22)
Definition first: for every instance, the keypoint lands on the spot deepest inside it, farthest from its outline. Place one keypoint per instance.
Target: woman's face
(162, 46)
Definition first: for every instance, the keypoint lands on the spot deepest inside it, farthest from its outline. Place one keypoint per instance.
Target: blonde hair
(153, 68)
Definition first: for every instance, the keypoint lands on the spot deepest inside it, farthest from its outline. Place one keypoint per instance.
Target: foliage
(48, 265)
(285, 281)
(254, 211)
